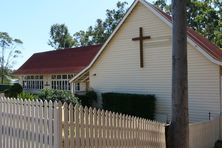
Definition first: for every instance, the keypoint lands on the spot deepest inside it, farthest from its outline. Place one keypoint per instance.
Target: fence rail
(57, 125)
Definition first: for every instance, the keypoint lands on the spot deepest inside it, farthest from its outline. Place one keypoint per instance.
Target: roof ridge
(63, 49)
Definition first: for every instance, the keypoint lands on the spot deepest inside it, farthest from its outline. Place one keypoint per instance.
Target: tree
(163, 6)
(99, 33)
(179, 127)
(204, 16)
(8, 56)
(60, 37)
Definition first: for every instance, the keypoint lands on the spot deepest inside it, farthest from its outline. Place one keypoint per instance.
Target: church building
(54, 69)
(136, 58)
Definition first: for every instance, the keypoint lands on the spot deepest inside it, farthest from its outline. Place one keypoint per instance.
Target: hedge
(4, 87)
(130, 104)
(13, 90)
(88, 99)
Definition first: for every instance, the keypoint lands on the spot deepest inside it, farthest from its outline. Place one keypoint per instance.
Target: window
(61, 82)
(53, 76)
(70, 76)
(77, 86)
(64, 76)
(33, 82)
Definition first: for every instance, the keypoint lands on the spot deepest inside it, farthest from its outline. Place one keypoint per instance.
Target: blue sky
(30, 20)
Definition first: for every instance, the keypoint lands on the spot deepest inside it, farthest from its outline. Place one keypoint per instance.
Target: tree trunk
(2, 66)
(179, 128)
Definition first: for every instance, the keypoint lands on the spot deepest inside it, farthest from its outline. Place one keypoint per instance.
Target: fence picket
(21, 115)
(6, 125)
(55, 125)
(65, 126)
(50, 125)
(25, 123)
(33, 123)
(91, 126)
(60, 124)
(86, 113)
(10, 122)
(28, 103)
(71, 123)
(82, 126)
(95, 131)
(77, 126)
(40, 118)
(45, 123)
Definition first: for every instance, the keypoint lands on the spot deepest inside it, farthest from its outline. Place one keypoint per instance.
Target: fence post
(167, 136)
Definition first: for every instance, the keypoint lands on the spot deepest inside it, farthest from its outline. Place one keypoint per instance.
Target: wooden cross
(141, 38)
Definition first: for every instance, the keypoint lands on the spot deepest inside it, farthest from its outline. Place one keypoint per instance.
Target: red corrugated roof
(70, 60)
(214, 51)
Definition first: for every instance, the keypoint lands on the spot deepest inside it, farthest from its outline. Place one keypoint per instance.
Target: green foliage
(27, 96)
(60, 37)
(130, 104)
(163, 5)
(58, 95)
(9, 52)
(99, 33)
(13, 91)
(88, 99)
(204, 16)
(4, 87)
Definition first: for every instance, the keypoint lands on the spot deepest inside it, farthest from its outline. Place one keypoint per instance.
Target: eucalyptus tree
(9, 53)
(60, 37)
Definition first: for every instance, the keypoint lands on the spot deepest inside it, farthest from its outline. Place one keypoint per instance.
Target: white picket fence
(36, 124)
(204, 134)
(27, 124)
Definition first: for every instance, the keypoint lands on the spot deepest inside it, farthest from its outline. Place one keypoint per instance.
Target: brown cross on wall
(141, 38)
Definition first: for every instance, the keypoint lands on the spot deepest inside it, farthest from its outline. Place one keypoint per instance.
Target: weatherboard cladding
(212, 50)
(203, 42)
(118, 67)
(70, 60)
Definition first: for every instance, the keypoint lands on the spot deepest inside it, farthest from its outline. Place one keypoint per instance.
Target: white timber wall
(204, 86)
(118, 67)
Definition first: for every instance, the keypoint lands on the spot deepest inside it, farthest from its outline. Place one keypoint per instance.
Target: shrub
(13, 91)
(88, 99)
(131, 104)
(4, 87)
(27, 96)
(58, 95)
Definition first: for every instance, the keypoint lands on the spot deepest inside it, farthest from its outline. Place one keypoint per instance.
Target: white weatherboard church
(137, 58)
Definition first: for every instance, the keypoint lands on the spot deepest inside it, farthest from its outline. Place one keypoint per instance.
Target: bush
(27, 96)
(130, 104)
(13, 91)
(4, 87)
(58, 95)
(88, 99)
